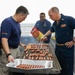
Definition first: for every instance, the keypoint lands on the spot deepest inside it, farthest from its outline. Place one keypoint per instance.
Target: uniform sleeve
(5, 29)
(72, 22)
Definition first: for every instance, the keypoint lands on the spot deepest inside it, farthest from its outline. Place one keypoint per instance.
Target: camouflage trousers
(3, 60)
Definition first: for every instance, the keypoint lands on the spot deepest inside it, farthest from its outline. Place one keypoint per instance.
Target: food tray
(46, 70)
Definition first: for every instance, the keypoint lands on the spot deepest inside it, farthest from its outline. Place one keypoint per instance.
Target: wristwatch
(8, 55)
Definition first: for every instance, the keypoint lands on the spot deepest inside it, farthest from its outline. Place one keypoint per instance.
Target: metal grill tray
(46, 70)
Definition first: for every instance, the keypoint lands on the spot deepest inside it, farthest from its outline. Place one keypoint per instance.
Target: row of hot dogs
(27, 66)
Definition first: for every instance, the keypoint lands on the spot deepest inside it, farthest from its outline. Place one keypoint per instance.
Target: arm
(45, 35)
(5, 45)
(5, 33)
(71, 21)
(6, 49)
(23, 45)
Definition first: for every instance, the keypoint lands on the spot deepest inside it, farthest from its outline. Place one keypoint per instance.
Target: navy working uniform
(10, 29)
(44, 26)
(64, 33)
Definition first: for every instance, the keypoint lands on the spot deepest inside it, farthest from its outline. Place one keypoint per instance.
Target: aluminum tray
(47, 70)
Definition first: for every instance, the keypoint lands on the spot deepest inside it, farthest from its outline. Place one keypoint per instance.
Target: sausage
(27, 66)
(37, 58)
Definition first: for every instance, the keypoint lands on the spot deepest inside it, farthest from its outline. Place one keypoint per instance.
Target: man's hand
(69, 44)
(23, 45)
(10, 58)
(43, 38)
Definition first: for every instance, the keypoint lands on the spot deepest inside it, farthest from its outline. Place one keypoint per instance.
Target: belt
(60, 44)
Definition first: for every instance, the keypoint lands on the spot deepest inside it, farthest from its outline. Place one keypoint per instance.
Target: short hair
(42, 13)
(22, 9)
(55, 9)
